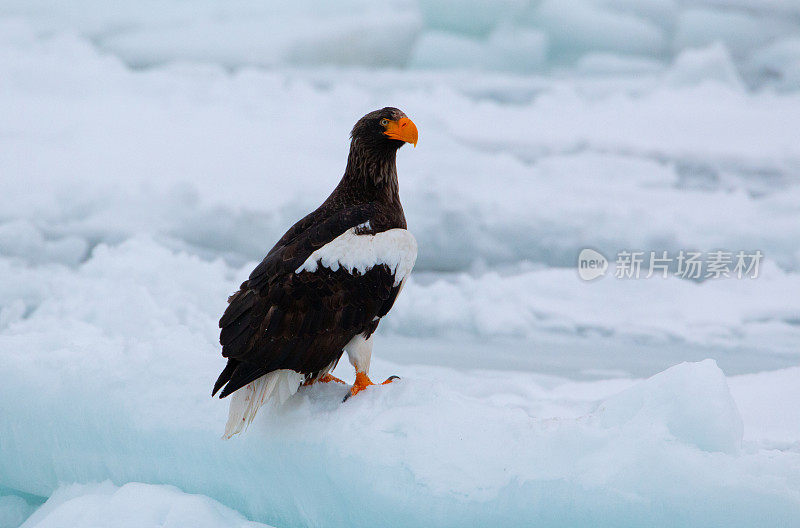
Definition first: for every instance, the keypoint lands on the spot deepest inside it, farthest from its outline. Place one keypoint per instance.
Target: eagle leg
(362, 382)
(327, 378)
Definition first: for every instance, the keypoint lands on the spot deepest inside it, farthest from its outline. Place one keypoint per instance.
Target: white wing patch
(397, 248)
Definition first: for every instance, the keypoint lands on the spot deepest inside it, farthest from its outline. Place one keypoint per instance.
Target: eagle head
(385, 129)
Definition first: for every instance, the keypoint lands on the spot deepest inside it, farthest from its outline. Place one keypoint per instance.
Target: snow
(699, 65)
(152, 152)
(780, 59)
(601, 63)
(133, 505)
(670, 398)
(505, 49)
(530, 302)
(395, 248)
(507, 35)
(576, 27)
(430, 440)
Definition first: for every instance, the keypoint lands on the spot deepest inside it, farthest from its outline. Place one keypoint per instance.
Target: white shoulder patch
(397, 248)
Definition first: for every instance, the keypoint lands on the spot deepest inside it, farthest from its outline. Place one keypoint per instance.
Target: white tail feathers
(278, 385)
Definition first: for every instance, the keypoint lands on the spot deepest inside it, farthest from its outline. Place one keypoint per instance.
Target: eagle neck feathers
(371, 173)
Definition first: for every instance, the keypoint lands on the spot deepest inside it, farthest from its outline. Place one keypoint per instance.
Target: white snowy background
(152, 151)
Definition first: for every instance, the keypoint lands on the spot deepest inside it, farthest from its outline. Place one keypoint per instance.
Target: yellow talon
(327, 378)
(362, 382)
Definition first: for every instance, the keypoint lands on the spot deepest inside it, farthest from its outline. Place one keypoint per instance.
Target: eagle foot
(327, 378)
(362, 382)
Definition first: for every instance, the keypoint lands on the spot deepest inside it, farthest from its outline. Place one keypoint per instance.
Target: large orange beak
(403, 129)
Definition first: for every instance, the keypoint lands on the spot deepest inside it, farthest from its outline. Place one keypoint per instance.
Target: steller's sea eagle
(326, 284)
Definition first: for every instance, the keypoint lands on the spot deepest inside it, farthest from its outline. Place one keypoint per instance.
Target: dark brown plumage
(281, 319)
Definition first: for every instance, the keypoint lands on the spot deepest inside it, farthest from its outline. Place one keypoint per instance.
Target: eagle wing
(303, 303)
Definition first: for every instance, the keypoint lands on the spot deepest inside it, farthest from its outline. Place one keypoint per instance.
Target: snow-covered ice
(13, 510)
(151, 152)
(133, 505)
(484, 35)
(461, 446)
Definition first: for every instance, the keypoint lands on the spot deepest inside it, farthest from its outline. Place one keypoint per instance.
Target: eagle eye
(384, 122)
